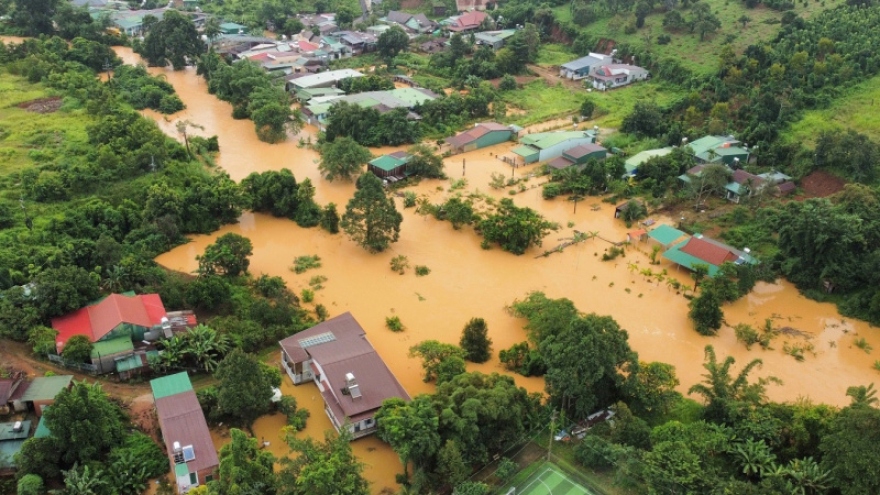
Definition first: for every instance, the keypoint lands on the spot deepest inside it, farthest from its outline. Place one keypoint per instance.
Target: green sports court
(549, 480)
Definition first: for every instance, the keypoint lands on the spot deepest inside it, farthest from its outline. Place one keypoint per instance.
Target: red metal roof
(471, 20)
(99, 319)
(708, 252)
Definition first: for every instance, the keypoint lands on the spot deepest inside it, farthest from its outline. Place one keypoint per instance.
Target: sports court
(549, 480)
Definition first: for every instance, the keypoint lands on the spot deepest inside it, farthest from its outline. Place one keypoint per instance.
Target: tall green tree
(433, 353)
(371, 219)
(343, 158)
(85, 423)
(411, 429)
(34, 17)
(722, 391)
(651, 390)
(515, 229)
(244, 390)
(228, 255)
(391, 42)
(475, 341)
(174, 39)
(78, 349)
(706, 312)
(321, 468)
(244, 467)
(850, 450)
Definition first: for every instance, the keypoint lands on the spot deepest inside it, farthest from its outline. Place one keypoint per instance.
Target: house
(306, 94)
(548, 145)
(494, 39)
(632, 163)
(665, 235)
(188, 442)
(702, 250)
(352, 378)
(12, 437)
(9, 390)
(382, 101)
(615, 75)
(131, 22)
(638, 235)
(232, 28)
(465, 23)
(578, 155)
(481, 136)
(42, 391)
(719, 149)
(322, 79)
(391, 166)
(745, 184)
(467, 5)
(434, 45)
(411, 23)
(580, 68)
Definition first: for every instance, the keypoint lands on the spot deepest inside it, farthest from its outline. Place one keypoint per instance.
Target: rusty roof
(708, 252)
(181, 420)
(583, 150)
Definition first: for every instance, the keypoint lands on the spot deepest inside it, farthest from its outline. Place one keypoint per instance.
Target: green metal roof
(639, 158)
(42, 429)
(544, 140)
(170, 385)
(387, 162)
(6, 432)
(706, 143)
(112, 346)
(664, 234)
(525, 151)
(46, 387)
(132, 362)
(411, 96)
(8, 449)
(181, 470)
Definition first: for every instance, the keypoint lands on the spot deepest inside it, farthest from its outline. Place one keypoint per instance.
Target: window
(188, 453)
(193, 479)
(209, 478)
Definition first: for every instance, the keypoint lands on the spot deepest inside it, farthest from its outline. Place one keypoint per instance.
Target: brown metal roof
(584, 149)
(475, 133)
(5, 391)
(708, 252)
(181, 420)
(560, 162)
(342, 327)
(740, 176)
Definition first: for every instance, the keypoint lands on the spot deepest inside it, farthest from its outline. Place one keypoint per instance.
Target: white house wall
(557, 150)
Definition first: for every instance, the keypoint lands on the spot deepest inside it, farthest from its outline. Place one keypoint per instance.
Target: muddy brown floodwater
(467, 281)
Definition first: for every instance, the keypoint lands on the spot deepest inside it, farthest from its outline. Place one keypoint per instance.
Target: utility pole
(552, 428)
(462, 167)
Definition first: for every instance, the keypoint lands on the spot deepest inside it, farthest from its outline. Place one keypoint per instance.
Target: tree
(471, 488)
(515, 229)
(710, 180)
(433, 353)
(475, 341)
(371, 219)
(173, 39)
(244, 467)
(391, 42)
(40, 457)
(328, 468)
(703, 21)
(425, 163)
(330, 218)
(30, 484)
(228, 256)
(645, 120)
(863, 396)
(706, 313)
(451, 466)
(183, 129)
(35, 16)
(850, 450)
(458, 211)
(81, 480)
(244, 389)
(85, 423)
(212, 28)
(587, 108)
(744, 20)
(78, 349)
(652, 389)
(722, 391)
(343, 158)
(61, 290)
(411, 428)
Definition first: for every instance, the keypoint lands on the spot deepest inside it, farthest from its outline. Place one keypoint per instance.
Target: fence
(84, 367)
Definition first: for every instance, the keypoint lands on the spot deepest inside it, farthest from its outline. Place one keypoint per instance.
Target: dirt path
(551, 75)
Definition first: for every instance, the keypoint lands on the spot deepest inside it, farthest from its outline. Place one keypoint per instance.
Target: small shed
(42, 391)
(105, 353)
(639, 235)
(480, 136)
(585, 152)
(665, 235)
(390, 165)
(232, 28)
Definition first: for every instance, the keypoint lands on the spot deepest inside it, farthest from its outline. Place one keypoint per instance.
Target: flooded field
(467, 281)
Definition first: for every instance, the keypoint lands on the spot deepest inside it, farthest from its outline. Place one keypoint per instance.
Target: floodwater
(466, 281)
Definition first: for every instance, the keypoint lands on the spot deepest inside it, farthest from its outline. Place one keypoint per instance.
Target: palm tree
(721, 390)
(862, 396)
(756, 458)
(206, 346)
(83, 481)
(805, 477)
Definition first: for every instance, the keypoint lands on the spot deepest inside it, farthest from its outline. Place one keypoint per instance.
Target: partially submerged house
(391, 167)
(703, 250)
(578, 155)
(185, 432)
(632, 163)
(382, 101)
(42, 390)
(327, 79)
(612, 76)
(581, 68)
(480, 136)
(12, 437)
(548, 145)
(352, 378)
(665, 235)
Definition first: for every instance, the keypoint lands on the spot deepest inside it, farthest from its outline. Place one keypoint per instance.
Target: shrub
(321, 312)
(399, 264)
(409, 199)
(422, 270)
(393, 323)
(303, 263)
(747, 335)
(308, 295)
(30, 484)
(317, 282)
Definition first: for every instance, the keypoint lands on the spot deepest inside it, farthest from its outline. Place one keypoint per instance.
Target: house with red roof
(481, 136)
(615, 75)
(705, 251)
(467, 22)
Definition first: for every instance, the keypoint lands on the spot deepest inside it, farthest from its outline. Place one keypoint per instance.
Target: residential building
(352, 378)
(666, 235)
(12, 437)
(322, 79)
(382, 101)
(185, 432)
(720, 149)
(42, 390)
(233, 28)
(580, 68)
(494, 39)
(481, 136)
(548, 145)
(745, 184)
(465, 23)
(411, 23)
(632, 163)
(9, 390)
(703, 250)
(391, 167)
(615, 75)
(434, 45)
(578, 155)
(131, 22)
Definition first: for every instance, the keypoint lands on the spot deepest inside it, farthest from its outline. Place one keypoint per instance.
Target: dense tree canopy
(173, 39)
(244, 389)
(343, 158)
(371, 219)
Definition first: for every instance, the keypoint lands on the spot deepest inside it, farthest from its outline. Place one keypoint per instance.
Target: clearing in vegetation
(548, 479)
(858, 110)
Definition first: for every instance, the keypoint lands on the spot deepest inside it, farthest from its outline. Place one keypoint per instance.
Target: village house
(703, 250)
(232, 28)
(12, 437)
(352, 378)
(580, 68)
(411, 23)
(482, 135)
(632, 163)
(666, 235)
(548, 145)
(327, 79)
(494, 39)
(390, 167)
(382, 101)
(579, 155)
(42, 390)
(719, 149)
(434, 45)
(11, 389)
(465, 23)
(616, 75)
(185, 432)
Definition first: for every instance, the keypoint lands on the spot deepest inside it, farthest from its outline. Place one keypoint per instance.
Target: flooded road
(466, 281)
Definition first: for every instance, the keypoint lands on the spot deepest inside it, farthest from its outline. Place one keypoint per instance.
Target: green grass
(542, 102)
(855, 111)
(613, 106)
(26, 136)
(551, 54)
(702, 57)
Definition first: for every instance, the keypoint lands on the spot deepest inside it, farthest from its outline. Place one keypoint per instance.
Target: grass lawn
(702, 57)
(857, 110)
(552, 54)
(613, 106)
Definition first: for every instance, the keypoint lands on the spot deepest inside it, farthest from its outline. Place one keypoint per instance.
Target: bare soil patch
(820, 184)
(42, 105)
(520, 80)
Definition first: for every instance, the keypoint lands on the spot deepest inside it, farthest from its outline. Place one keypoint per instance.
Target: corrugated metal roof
(525, 151)
(544, 140)
(97, 320)
(42, 430)
(7, 432)
(181, 420)
(582, 150)
(167, 386)
(112, 346)
(664, 234)
(713, 254)
(387, 162)
(46, 387)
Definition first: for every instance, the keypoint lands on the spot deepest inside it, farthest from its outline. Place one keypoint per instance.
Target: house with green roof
(42, 391)
(12, 437)
(632, 163)
(719, 149)
(548, 145)
(383, 101)
(390, 166)
(700, 250)
(232, 28)
(494, 39)
(665, 235)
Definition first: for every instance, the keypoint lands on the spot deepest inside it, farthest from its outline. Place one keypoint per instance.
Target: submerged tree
(370, 218)
(322, 468)
(723, 392)
(475, 341)
(227, 256)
